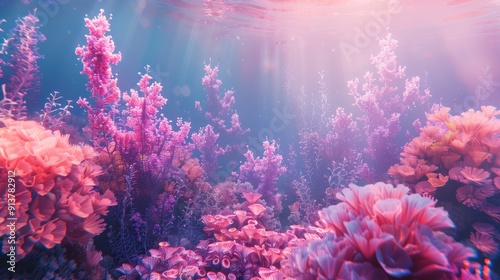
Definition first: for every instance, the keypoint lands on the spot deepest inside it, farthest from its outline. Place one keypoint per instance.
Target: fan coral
(380, 231)
(54, 187)
(97, 57)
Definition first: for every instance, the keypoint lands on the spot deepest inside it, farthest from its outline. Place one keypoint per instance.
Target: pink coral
(391, 232)
(54, 182)
(97, 57)
(464, 148)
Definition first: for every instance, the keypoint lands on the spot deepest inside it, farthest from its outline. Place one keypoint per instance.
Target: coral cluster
(458, 154)
(54, 182)
(378, 232)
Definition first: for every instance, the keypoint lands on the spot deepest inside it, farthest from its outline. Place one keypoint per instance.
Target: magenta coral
(147, 135)
(242, 246)
(385, 230)
(166, 262)
(54, 183)
(97, 57)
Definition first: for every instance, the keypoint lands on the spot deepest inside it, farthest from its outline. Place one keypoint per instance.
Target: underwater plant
(263, 173)
(20, 50)
(382, 104)
(175, 218)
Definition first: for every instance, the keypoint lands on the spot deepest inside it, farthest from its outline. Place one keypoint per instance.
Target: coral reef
(178, 217)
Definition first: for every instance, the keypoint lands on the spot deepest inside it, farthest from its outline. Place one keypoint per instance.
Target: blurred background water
(261, 45)
(275, 53)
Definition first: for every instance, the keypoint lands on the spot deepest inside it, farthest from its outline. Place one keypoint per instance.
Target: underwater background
(212, 139)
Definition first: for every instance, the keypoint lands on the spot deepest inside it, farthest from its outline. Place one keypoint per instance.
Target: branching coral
(219, 111)
(54, 184)
(264, 172)
(382, 104)
(22, 48)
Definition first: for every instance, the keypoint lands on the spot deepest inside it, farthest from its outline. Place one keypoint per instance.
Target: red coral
(55, 198)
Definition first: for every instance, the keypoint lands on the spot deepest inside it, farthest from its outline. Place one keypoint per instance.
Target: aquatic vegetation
(219, 111)
(343, 149)
(21, 52)
(263, 173)
(383, 104)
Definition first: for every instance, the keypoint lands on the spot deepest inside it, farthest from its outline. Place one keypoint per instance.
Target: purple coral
(264, 172)
(382, 104)
(206, 142)
(219, 111)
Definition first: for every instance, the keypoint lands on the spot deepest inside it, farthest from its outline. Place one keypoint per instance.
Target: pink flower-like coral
(465, 148)
(385, 230)
(54, 184)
